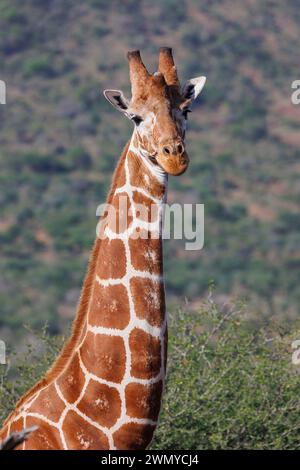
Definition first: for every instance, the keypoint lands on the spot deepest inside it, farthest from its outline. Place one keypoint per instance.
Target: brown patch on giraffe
(81, 435)
(104, 356)
(101, 403)
(72, 380)
(145, 354)
(112, 262)
(48, 404)
(44, 438)
(145, 208)
(110, 307)
(133, 436)
(146, 254)
(3, 433)
(149, 300)
(119, 216)
(143, 179)
(16, 426)
(121, 176)
(143, 401)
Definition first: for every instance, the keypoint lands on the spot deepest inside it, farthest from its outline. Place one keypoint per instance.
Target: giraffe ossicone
(104, 390)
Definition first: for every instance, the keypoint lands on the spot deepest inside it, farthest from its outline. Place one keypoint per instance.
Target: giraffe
(104, 390)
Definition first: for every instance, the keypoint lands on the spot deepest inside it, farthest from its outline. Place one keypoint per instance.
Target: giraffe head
(159, 107)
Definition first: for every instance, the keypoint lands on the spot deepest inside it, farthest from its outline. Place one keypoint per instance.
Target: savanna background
(233, 305)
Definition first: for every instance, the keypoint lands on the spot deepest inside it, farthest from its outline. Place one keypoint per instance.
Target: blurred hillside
(60, 141)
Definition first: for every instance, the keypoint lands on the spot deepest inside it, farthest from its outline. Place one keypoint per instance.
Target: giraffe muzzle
(173, 158)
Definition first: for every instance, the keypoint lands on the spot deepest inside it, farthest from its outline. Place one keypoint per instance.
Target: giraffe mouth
(175, 166)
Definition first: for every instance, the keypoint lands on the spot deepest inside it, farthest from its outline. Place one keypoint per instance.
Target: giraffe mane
(62, 361)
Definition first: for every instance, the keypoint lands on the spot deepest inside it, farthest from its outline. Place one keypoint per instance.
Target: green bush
(15, 39)
(228, 387)
(41, 66)
(14, 16)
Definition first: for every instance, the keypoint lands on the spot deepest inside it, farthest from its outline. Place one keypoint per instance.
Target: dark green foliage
(39, 66)
(74, 159)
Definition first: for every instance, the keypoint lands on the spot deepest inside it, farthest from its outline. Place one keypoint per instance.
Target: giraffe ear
(193, 87)
(117, 99)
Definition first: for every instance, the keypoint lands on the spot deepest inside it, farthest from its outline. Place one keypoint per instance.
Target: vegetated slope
(60, 141)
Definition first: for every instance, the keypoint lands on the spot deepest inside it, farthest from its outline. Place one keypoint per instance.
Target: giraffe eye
(136, 119)
(185, 113)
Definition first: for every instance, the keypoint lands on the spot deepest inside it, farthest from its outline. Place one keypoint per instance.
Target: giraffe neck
(110, 389)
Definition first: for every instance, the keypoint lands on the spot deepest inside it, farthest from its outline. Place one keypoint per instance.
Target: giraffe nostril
(166, 150)
(179, 148)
